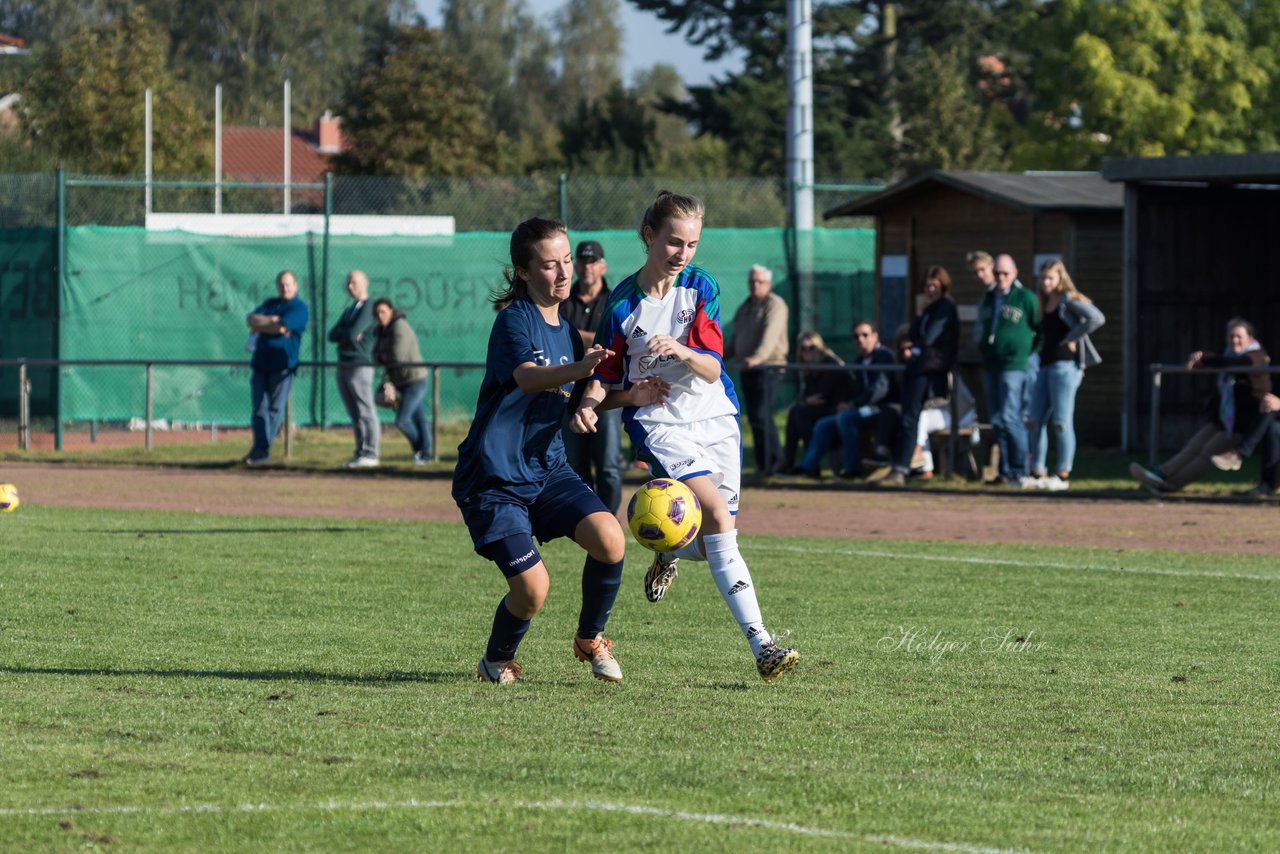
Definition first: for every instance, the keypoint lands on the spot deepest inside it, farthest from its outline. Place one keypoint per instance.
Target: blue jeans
(601, 451)
(1053, 409)
(412, 420)
(844, 428)
(1004, 391)
(270, 393)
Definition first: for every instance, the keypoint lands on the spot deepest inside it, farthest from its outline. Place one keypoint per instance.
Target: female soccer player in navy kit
(512, 481)
(664, 322)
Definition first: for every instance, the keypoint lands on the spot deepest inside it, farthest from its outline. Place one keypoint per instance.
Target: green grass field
(202, 683)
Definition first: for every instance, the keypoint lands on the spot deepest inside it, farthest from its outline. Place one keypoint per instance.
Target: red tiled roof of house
(11, 41)
(257, 154)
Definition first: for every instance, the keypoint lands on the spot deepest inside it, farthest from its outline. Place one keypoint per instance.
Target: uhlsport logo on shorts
(683, 464)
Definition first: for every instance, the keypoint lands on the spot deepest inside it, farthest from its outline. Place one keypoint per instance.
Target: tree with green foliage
(249, 46)
(413, 111)
(588, 42)
(86, 101)
(508, 54)
(1150, 78)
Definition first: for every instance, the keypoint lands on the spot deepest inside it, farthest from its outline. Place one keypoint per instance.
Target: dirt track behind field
(1187, 526)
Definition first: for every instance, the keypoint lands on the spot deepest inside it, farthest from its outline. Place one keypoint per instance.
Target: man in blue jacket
(277, 326)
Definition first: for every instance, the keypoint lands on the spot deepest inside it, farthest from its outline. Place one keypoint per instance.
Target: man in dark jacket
(354, 333)
(276, 327)
(871, 389)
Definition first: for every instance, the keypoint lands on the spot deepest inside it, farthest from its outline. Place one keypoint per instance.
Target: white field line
(570, 806)
(1027, 564)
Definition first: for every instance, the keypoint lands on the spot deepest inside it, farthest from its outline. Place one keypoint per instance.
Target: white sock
(733, 579)
(693, 551)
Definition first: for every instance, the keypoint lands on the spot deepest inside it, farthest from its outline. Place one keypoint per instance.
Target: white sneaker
(362, 463)
(1053, 483)
(257, 461)
(1229, 461)
(1035, 482)
(420, 459)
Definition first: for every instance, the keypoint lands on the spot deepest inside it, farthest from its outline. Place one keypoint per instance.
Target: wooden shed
(1198, 237)
(938, 217)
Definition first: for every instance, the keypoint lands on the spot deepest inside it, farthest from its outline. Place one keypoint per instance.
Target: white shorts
(712, 447)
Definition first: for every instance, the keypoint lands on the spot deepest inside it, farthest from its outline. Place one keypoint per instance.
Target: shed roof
(1256, 168)
(1029, 191)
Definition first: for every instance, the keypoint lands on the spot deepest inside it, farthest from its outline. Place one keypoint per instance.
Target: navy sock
(600, 583)
(508, 631)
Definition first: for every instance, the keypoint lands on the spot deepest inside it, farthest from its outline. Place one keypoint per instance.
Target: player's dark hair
(667, 206)
(526, 235)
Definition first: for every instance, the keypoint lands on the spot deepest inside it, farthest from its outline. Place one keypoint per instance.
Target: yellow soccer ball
(664, 515)
(8, 498)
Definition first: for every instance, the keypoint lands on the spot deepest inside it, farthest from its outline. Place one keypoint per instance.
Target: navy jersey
(515, 437)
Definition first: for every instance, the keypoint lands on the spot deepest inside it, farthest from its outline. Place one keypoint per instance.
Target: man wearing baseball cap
(602, 450)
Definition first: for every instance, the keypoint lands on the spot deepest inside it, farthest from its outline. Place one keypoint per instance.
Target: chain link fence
(83, 278)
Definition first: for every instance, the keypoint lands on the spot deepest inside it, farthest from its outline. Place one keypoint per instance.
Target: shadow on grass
(394, 677)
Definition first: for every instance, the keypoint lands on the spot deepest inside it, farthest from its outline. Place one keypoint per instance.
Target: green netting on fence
(133, 294)
(27, 311)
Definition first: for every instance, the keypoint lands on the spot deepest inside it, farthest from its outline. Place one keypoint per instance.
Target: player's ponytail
(667, 206)
(526, 235)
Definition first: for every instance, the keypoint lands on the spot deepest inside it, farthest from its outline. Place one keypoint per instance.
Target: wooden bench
(940, 444)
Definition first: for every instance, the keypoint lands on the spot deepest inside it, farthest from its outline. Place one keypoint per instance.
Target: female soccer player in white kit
(664, 322)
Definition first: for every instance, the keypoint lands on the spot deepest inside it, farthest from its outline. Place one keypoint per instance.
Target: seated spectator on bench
(935, 417)
(931, 348)
(820, 391)
(1233, 411)
(870, 390)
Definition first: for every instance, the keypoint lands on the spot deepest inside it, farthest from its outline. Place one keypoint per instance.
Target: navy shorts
(552, 511)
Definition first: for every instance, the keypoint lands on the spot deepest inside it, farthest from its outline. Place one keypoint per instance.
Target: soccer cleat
(499, 673)
(599, 651)
(660, 575)
(1229, 461)
(773, 661)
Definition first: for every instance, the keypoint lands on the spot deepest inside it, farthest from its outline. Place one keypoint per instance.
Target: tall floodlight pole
(800, 151)
(288, 134)
(217, 149)
(147, 165)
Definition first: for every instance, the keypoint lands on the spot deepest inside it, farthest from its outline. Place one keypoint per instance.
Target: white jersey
(689, 313)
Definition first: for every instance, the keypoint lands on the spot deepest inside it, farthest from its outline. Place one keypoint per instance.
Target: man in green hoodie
(1009, 316)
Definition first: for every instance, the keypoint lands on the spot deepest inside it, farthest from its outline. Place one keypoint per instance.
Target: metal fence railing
(1158, 372)
(170, 394)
